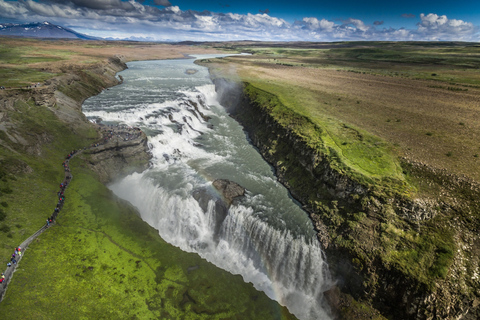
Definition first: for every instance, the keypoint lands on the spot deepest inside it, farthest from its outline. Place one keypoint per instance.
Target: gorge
(264, 236)
(404, 242)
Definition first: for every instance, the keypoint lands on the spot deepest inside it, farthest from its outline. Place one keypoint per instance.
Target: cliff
(62, 97)
(410, 252)
(123, 151)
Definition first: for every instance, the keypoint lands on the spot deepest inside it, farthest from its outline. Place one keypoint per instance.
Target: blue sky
(177, 20)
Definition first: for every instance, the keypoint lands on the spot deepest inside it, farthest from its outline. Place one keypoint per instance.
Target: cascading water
(264, 236)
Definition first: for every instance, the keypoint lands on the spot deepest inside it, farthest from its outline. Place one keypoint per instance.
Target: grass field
(27, 61)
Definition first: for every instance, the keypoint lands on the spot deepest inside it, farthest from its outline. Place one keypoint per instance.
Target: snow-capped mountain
(40, 30)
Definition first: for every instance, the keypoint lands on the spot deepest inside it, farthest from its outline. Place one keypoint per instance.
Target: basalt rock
(229, 189)
(119, 157)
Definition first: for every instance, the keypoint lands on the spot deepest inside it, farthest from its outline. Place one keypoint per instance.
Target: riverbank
(100, 260)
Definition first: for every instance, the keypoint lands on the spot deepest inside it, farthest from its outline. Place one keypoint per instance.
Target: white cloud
(12, 9)
(358, 24)
(98, 17)
(435, 27)
(315, 24)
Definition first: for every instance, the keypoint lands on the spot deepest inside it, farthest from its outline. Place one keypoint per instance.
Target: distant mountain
(40, 30)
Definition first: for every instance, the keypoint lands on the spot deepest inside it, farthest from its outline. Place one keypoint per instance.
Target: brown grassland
(424, 100)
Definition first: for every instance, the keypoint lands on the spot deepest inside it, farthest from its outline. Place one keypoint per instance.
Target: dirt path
(110, 135)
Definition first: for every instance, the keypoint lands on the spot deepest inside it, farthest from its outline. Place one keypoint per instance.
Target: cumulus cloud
(435, 27)
(316, 25)
(124, 19)
(358, 24)
(408, 15)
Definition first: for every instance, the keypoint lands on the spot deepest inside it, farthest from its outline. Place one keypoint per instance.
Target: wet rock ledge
(123, 150)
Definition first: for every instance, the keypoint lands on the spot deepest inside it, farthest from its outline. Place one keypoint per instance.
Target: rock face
(349, 218)
(63, 96)
(229, 189)
(119, 157)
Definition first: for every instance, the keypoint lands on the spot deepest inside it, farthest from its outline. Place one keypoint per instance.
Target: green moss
(19, 76)
(351, 151)
(426, 256)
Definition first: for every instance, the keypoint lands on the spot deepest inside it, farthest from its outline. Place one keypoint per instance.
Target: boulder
(228, 189)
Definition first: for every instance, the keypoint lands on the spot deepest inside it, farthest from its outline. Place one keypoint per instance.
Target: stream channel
(265, 236)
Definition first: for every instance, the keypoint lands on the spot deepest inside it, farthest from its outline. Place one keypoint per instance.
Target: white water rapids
(266, 237)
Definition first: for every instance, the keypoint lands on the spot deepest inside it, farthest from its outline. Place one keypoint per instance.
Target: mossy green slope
(352, 151)
(31, 153)
(102, 261)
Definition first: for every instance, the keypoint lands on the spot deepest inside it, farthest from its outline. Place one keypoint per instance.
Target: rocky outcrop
(352, 219)
(229, 189)
(63, 96)
(118, 157)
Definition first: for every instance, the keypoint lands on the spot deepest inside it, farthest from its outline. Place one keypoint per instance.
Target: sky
(265, 20)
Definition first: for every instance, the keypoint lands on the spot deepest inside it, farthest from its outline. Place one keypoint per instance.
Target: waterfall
(263, 236)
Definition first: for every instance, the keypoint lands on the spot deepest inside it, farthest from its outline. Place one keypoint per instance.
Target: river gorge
(265, 236)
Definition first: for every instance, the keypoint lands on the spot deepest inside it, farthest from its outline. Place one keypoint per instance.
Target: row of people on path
(51, 219)
(63, 185)
(18, 252)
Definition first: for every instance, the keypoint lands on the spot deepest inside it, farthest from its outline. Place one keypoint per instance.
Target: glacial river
(265, 237)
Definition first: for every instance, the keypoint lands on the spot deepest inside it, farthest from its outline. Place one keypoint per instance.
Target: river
(265, 237)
